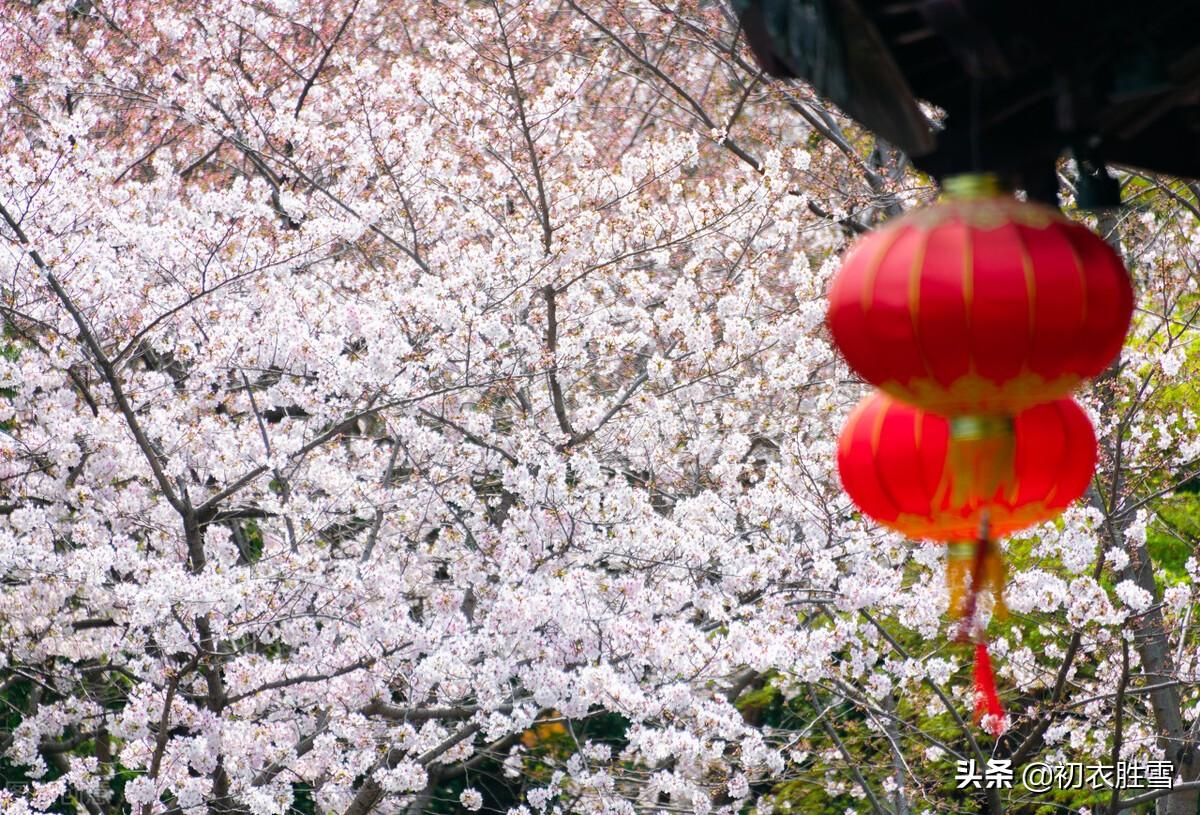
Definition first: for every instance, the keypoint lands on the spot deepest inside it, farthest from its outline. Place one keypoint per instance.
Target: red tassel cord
(985, 572)
(987, 703)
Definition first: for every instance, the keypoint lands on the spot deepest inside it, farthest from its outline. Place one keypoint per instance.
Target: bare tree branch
(324, 57)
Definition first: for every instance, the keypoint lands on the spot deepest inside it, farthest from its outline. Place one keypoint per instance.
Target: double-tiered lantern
(975, 318)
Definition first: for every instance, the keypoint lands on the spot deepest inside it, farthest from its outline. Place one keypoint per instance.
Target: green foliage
(1171, 540)
(302, 800)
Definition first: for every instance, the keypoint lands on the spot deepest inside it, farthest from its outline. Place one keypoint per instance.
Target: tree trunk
(1150, 631)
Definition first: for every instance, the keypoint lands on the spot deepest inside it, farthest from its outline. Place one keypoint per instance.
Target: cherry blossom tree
(426, 407)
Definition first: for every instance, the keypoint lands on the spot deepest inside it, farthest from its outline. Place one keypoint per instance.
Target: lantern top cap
(973, 185)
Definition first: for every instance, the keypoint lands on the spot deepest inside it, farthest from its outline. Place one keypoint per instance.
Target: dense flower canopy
(417, 405)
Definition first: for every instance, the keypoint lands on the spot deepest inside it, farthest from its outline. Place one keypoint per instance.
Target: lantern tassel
(986, 569)
(960, 562)
(978, 560)
(988, 710)
(980, 457)
(993, 578)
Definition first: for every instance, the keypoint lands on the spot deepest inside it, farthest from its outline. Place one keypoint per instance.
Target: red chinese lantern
(895, 463)
(980, 304)
(980, 313)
